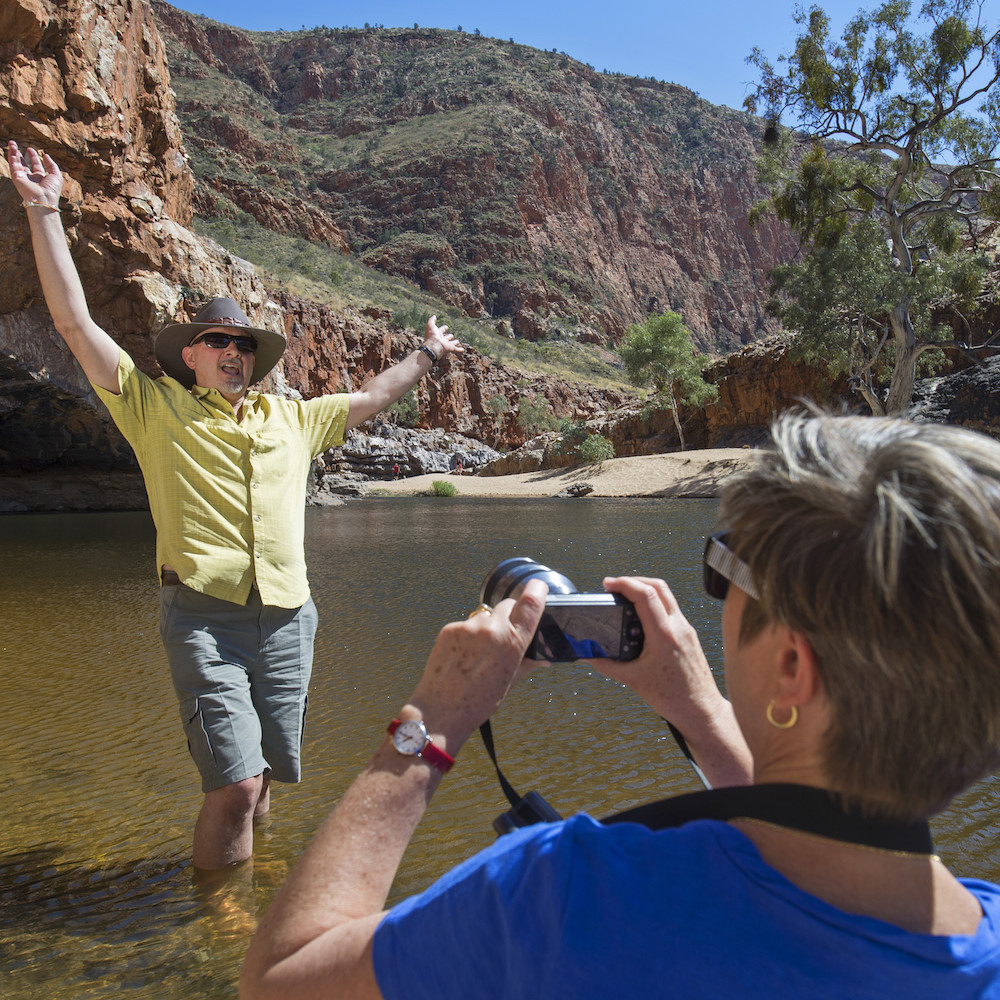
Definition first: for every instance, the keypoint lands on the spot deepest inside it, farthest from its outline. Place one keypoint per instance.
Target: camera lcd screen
(586, 626)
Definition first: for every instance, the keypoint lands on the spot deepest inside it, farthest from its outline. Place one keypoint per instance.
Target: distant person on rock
(225, 468)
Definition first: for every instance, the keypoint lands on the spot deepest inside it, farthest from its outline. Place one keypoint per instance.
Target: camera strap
(797, 807)
(486, 732)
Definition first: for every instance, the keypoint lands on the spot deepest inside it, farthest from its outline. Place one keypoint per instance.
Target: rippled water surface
(96, 895)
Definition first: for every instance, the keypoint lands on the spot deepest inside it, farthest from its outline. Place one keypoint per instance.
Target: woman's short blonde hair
(879, 540)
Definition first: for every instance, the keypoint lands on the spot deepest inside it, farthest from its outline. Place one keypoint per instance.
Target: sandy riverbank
(679, 474)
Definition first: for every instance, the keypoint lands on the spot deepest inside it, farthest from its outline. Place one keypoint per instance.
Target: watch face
(410, 737)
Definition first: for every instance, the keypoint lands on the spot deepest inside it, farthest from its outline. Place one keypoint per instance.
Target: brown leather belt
(169, 578)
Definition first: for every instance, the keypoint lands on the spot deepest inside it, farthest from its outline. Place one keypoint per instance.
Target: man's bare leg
(223, 834)
(263, 800)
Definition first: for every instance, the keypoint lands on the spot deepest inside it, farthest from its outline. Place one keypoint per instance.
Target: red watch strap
(441, 759)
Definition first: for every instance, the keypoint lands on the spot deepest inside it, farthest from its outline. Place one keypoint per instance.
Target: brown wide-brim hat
(219, 312)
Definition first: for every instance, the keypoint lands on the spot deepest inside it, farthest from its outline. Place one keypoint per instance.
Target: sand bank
(678, 474)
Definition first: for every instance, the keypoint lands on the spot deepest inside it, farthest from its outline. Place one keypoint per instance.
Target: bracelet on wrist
(40, 204)
(426, 350)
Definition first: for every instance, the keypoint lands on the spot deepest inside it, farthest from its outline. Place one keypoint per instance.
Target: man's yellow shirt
(227, 496)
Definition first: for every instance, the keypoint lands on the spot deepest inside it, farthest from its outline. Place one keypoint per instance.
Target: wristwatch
(411, 740)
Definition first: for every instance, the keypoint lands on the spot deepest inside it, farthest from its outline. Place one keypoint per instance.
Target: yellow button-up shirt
(227, 495)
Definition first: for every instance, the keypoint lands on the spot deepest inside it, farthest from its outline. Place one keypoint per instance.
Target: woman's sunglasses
(721, 566)
(220, 341)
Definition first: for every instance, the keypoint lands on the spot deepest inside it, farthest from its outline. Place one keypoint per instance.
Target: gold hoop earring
(793, 718)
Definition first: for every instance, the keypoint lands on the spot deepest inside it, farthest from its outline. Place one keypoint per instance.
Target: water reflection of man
(225, 468)
(859, 569)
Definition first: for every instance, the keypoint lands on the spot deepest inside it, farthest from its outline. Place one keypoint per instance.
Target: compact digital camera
(574, 626)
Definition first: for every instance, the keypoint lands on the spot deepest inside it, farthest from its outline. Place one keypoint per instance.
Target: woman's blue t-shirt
(577, 909)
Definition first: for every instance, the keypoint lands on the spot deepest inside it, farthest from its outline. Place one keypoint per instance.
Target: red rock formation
(754, 385)
(336, 349)
(89, 84)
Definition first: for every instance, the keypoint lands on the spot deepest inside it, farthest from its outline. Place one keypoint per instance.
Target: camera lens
(507, 579)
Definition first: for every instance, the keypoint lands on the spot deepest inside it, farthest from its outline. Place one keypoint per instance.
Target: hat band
(224, 321)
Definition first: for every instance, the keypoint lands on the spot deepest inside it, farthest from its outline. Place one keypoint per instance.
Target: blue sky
(701, 44)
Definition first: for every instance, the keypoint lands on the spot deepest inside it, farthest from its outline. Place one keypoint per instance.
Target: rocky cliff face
(89, 83)
(339, 350)
(510, 182)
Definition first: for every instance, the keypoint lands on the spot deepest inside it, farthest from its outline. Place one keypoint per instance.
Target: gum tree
(887, 180)
(659, 355)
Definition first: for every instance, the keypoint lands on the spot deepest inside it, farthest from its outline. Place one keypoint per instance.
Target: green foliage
(898, 172)
(497, 406)
(572, 435)
(596, 448)
(412, 317)
(838, 297)
(659, 354)
(405, 411)
(535, 415)
(442, 488)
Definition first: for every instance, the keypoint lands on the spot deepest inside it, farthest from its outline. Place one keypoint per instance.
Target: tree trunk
(874, 403)
(904, 371)
(677, 419)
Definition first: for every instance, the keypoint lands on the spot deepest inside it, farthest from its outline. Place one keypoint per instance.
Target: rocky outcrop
(970, 398)
(754, 385)
(385, 451)
(89, 83)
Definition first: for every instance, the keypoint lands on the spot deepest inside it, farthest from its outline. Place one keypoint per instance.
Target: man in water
(225, 469)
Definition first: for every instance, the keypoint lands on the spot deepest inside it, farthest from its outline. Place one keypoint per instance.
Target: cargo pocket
(199, 745)
(302, 720)
(167, 611)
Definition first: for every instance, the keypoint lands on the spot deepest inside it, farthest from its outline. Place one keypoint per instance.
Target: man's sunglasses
(220, 341)
(721, 566)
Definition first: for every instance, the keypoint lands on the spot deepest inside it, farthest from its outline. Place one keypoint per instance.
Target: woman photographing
(859, 568)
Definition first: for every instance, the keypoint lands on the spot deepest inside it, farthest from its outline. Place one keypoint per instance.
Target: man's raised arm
(39, 182)
(388, 386)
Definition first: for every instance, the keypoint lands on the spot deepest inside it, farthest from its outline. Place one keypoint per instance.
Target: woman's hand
(673, 677)
(475, 663)
(672, 670)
